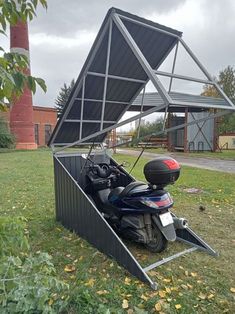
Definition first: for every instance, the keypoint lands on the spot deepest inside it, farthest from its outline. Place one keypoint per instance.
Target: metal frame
(151, 73)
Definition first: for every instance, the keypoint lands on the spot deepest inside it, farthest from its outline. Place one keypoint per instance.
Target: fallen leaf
(194, 274)
(184, 287)
(130, 311)
(166, 280)
(69, 268)
(102, 292)
(127, 281)
(210, 296)
(232, 290)
(90, 282)
(168, 290)
(190, 286)
(186, 273)
(162, 294)
(202, 296)
(50, 302)
(144, 297)
(80, 258)
(178, 306)
(125, 304)
(158, 307)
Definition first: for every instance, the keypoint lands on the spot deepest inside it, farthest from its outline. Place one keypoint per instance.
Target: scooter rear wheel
(159, 242)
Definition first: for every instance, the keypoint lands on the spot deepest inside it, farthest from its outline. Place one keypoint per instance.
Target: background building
(44, 121)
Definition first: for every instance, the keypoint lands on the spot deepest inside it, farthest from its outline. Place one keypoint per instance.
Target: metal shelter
(125, 56)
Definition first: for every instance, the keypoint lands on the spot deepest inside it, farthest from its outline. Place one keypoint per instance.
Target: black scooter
(138, 211)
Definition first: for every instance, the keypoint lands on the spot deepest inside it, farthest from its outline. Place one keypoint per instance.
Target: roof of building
(154, 99)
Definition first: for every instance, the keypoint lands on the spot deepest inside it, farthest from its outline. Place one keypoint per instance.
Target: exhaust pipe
(180, 223)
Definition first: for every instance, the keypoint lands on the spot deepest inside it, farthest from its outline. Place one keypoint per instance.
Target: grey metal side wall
(205, 135)
(75, 211)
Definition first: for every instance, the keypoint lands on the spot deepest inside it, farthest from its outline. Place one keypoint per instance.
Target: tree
(226, 81)
(63, 96)
(13, 66)
(148, 129)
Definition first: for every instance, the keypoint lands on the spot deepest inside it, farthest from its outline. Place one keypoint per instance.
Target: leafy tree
(226, 80)
(148, 129)
(63, 97)
(13, 66)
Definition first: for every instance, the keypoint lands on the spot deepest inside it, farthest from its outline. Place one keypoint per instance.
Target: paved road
(205, 163)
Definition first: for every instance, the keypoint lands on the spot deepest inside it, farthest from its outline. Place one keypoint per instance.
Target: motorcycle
(137, 211)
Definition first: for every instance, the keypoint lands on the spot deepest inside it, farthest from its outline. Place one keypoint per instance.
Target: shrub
(28, 282)
(7, 140)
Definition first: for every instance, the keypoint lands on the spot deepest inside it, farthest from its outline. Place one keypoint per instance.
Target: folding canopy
(126, 54)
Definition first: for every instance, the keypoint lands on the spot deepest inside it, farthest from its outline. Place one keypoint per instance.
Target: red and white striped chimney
(21, 115)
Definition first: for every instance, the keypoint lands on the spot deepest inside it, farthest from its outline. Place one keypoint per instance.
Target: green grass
(224, 154)
(27, 189)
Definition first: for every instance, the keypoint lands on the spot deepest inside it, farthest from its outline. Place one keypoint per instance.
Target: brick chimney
(21, 114)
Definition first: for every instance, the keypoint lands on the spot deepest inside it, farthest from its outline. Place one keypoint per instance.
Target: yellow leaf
(186, 273)
(144, 297)
(158, 307)
(190, 286)
(125, 304)
(210, 296)
(162, 294)
(127, 281)
(102, 292)
(194, 274)
(50, 302)
(80, 258)
(69, 268)
(202, 296)
(90, 282)
(184, 287)
(232, 290)
(167, 280)
(168, 290)
(178, 306)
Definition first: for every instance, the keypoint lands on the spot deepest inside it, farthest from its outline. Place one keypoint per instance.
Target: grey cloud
(213, 42)
(66, 17)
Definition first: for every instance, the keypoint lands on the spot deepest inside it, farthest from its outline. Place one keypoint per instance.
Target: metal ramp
(125, 56)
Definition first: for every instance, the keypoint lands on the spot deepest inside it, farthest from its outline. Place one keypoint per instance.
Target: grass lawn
(224, 154)
(196, 283)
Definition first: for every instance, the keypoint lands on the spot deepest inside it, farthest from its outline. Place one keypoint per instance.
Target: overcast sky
(60, 38)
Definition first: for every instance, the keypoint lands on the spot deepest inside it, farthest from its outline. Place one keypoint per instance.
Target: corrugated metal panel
(154, 45)
(75, 211)
(154, 99)
(201, 134)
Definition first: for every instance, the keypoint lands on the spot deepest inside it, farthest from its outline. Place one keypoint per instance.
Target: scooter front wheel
(159, 242)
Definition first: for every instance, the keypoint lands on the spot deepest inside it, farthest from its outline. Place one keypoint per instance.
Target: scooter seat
(130, 187)
(119, 192)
